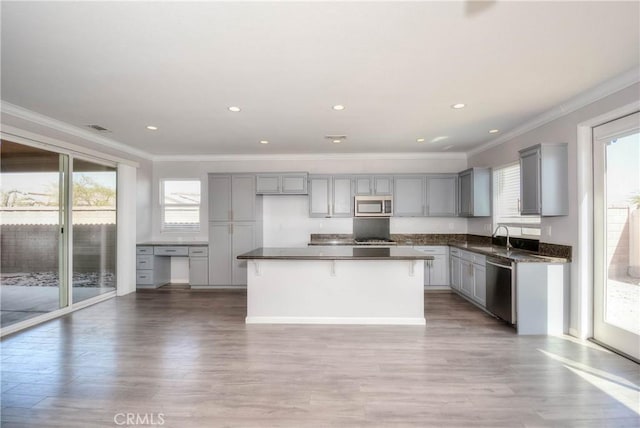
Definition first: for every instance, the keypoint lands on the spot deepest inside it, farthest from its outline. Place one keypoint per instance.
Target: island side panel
(340, 292)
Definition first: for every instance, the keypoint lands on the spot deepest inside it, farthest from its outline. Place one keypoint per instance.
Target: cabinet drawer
(144, 250)
(144, 262)
(144, 277)
(171, 251)
(198, 251)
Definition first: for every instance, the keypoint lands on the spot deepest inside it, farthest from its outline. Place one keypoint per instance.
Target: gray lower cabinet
(544, 180)
(330, 196)
(198, 266)
(474, 192)
(226, 242)
(442, 191)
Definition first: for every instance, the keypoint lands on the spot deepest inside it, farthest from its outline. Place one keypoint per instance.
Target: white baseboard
(336, 320)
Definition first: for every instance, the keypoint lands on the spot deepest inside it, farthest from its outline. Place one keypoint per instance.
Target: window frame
(515, 227)
(163, 206)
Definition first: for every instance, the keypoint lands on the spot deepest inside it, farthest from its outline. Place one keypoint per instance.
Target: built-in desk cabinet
(153, 264)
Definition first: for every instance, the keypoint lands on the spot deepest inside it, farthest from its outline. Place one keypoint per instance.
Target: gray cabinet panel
(243, 239)
(409, 196)
(219, 197)
(220, 253)
(544, 180)
(243, 198)
(319, 196)
(441, 195)
(342, 196)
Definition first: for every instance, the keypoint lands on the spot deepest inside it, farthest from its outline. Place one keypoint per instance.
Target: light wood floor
(189, 357)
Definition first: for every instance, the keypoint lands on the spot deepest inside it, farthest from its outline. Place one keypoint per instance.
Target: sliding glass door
(616, 311)
(57, 215)
(33, 270)
(94, 229)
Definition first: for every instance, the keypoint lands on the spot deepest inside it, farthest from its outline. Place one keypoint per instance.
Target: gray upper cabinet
(319, 196)
(232, 197)
(282, 183)
(342, 196)
(374, 185)
(409, 196)
(544, 180)
(330, 196)
(474, 192)
(441, 195)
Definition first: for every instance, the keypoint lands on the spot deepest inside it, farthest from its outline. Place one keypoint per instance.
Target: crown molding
(594, 94)
(76, 131)
(309, 157)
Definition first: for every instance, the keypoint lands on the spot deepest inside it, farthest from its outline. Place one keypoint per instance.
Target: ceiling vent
(98, 128)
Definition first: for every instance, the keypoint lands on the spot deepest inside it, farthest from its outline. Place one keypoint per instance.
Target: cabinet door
(342, 197)
(243, 237)
(466, 276)
(382, 185)
(319, 188)
(480, 284)
(530, 182)
(441, 196)
(243, 197)
(267, 183)
(294, 184)
(408, 197)
(219, 197)
(198, 271)
(455, 273)
(439, 274)
(465, 188)
(364, 186)
(220, 253)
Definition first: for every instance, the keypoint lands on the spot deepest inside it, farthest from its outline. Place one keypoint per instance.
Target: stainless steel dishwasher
(501, 289)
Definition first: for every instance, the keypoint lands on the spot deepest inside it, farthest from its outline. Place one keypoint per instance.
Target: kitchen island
(335, 285)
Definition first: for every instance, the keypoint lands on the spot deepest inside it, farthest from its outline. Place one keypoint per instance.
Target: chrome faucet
(509, 246)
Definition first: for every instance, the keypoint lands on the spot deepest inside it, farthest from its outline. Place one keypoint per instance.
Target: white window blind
(180, 201)
(506, 203)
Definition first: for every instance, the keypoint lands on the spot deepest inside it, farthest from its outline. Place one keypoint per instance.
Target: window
(180, 203)
(506, 203)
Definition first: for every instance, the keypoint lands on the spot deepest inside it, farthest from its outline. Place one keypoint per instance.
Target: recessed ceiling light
(440, 138)
(494, 131)
(338, 107)
(234, 109)
(420, 140)
(458, 106)
(336, 141)
(264, 142)
(152, 128)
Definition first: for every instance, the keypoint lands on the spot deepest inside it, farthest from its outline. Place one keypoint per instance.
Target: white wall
(557, 230)
(290, 213)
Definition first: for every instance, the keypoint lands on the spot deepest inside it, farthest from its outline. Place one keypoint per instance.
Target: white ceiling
(397, 67)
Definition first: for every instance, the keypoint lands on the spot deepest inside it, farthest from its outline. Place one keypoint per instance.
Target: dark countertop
(174, 243)
(336, 252)
(518, 256)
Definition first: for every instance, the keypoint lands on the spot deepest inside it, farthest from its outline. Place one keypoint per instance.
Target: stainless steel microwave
(373, 206)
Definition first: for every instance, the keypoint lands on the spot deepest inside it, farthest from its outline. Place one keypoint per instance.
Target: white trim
(592, 95)
(58, 125)
(335, 320)
(310, 157)
(31, 322)
(583, 256)
(21, 136)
